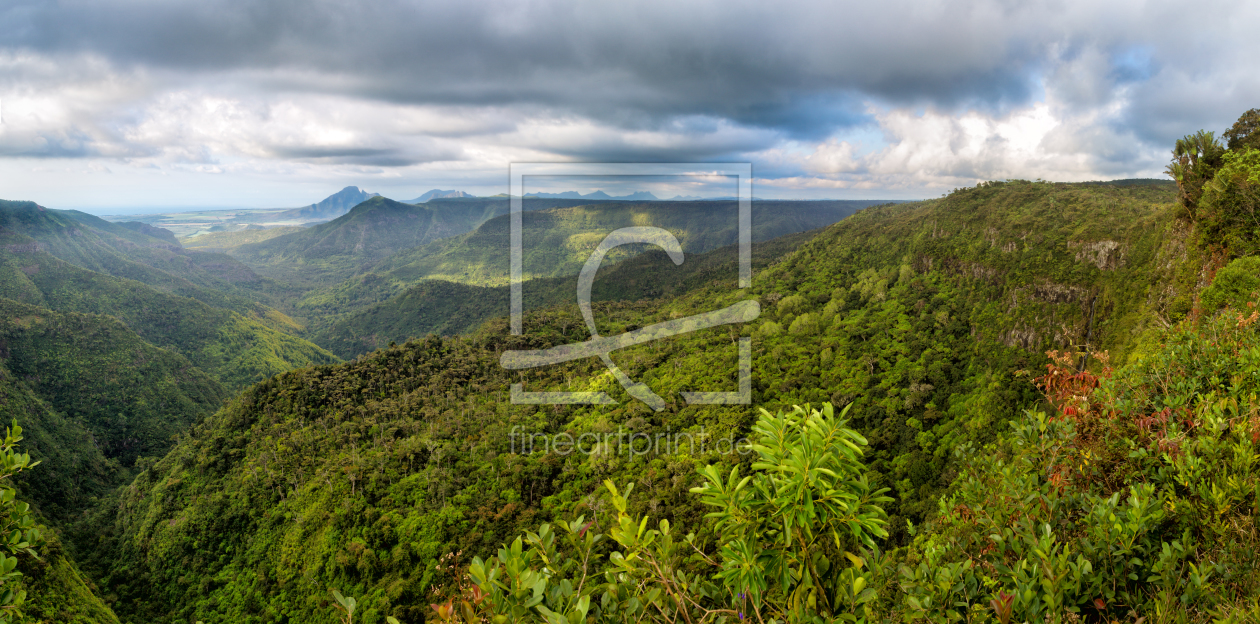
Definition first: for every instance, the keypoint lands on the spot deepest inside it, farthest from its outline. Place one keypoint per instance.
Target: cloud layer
(902, 98)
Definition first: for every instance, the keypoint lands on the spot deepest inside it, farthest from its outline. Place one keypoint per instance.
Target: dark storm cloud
(355, 155)
(707, 80)
(801, 70)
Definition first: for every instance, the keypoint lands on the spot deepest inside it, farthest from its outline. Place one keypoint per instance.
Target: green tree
(1229, 209)
(17, 527)
(1196, 157)
(1234, 285)
(785, 530)
(1245, 133)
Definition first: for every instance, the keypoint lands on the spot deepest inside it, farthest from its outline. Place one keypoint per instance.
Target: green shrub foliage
(785, 540)
(17, 527)
(1139, 497)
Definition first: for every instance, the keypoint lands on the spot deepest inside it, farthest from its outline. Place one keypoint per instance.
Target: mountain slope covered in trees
(450, 308)
(129, 395)
(236, 349)
(556, 244)
(363, 476)
(370, 232)
(97, 245)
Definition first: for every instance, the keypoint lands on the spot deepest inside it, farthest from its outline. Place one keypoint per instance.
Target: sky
(148, 105)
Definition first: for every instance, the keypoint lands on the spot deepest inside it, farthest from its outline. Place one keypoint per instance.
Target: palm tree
(1196, 157)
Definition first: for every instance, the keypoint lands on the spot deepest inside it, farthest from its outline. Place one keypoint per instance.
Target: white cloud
(1073, 135)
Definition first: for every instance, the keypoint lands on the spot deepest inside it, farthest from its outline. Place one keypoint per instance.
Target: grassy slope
(360, 476)
(449, 308)
(227, 242)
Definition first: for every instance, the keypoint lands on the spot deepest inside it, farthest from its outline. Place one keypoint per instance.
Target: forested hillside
(556, 242)
(97, 245)
(371, 231)
(450, 308)
(104, 370)
(363, 476)
(236, 349)
(73, 468)
(129, 395)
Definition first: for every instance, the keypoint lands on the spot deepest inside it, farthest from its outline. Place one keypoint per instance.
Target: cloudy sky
(153, 104)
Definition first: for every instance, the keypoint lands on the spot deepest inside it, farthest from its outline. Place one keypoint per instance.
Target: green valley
(226, 242)
(131, 396)
(452, 308)
(557, 241)
(369, 233)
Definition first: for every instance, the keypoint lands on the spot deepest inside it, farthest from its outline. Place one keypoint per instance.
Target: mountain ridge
(237, 350)
(330, 207)
(438, 194)
(97, 245)
(370, 232)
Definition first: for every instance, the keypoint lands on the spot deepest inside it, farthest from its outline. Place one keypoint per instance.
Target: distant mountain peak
(438, 194)
(597, 195)
(640, 196)
(330, 207)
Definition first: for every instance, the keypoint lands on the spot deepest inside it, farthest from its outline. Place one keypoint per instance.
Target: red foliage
(1068, 388)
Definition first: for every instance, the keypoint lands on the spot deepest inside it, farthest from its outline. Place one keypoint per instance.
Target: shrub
(1230, 207)
(1234, 285)
(17, 524)
(794, 538)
